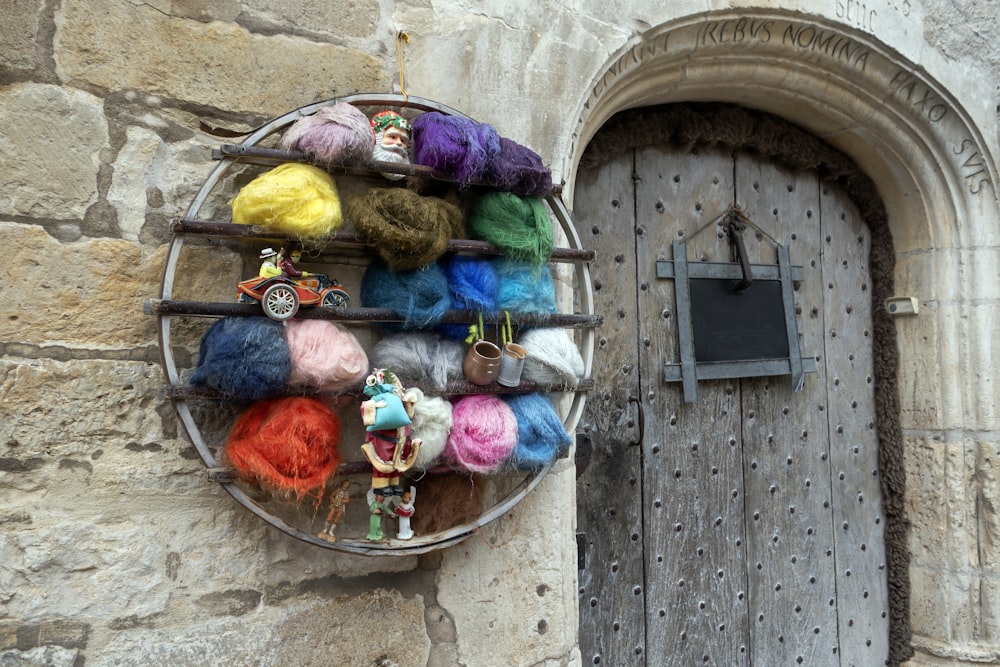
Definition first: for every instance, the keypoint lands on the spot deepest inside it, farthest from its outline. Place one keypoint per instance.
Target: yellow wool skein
(297, 199)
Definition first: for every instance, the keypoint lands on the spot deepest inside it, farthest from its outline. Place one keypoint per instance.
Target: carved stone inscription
(827, 48)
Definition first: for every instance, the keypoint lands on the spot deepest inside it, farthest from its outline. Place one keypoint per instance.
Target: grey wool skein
(422, 360)
(553, 358)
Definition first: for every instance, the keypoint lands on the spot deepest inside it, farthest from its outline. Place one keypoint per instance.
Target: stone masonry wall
(115, 549)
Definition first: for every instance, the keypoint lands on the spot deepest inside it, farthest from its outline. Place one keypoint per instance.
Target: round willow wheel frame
(419, 544)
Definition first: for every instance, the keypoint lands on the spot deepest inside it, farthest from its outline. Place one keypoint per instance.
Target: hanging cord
(740, 216)
(506, 333)
(401, 37)
(476, 333)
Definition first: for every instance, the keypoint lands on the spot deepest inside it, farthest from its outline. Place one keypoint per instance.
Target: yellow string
(401, 37)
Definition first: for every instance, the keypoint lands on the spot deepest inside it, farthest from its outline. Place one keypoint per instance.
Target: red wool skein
(289, 445)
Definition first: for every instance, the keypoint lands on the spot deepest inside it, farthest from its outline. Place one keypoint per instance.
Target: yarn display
(460, 147)
(324, 355)
(243, 357)
(409, 231)
(519, 226)
(541, 436)
(519, 170)
(483, 434)
(288, 445)
(299, 200)
(432, 423)
(473, 285)
(420, 359)
(334, 133)
(553, 358)
(525, 288)
(419, 297)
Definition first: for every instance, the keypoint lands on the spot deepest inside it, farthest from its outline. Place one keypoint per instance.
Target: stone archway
(891, 120)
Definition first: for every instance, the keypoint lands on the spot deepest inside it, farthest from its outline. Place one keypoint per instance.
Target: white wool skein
(553, 358)
(432, 424)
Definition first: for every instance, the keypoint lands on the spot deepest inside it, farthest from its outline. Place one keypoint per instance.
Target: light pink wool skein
(325, 355)
(333, 134)
(483, 434)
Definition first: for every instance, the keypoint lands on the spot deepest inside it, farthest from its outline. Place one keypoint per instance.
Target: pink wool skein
(483, 434)
(332, 134)
(325, 355)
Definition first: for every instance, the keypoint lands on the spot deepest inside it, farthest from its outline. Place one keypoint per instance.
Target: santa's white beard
(395, 154)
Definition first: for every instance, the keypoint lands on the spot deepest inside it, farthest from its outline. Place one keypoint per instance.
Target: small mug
(482, 362)
(511, 364)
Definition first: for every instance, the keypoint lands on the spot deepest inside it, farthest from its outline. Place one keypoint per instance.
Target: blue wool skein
(473, 285)
(541, 436)
(525, 288)
(243, 357)
(420, 297)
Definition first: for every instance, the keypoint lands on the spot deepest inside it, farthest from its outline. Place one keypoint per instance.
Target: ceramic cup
(511, 364)
(482, 363)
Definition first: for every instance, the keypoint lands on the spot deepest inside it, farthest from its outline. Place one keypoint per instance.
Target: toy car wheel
(280, 302)
(336, 298)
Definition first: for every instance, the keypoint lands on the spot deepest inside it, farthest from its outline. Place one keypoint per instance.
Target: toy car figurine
(280, 297)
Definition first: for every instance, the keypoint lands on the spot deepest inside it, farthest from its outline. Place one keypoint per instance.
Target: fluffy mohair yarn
(525, 288)
(553, 358)
(460, 147)
(288, 445)
(299, 200)
(325, 355)
(483, 434)
(335, 133)
(519, 226)
(432, 424)
(473, 285)
(541, 436)
(243, 357)
(419, 297)
(520, 170)
(420, 359)
(409, 231)
(448, 500)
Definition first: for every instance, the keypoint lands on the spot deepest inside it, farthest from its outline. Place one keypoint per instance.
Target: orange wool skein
(287, 444)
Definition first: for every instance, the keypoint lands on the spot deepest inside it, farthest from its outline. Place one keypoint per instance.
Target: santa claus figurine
(392, 139)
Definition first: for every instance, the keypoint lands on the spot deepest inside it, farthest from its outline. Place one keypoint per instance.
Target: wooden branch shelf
(269, 157)
(223, 309)
(189, 392)
(232, 230)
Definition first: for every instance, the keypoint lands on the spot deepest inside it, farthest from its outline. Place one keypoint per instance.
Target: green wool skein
(519, 226)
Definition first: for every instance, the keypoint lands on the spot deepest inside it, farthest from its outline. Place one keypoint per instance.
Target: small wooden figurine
(388, 446)
(378, 508)
(337, 506)
(404, 510)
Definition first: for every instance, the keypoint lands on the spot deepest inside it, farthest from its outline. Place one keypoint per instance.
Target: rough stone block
(51, 146)
(355, 19)
(124, 46)
(18, 32)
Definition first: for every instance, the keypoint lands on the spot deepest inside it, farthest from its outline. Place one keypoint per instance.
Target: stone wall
(114, 547)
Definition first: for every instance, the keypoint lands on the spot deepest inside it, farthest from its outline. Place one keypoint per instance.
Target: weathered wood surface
(609, 509)
(761, 519)
(696, 607)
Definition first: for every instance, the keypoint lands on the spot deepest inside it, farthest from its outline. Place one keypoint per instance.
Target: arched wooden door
(744, 528)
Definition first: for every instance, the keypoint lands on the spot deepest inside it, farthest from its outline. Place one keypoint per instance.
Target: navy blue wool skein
(243, 357)
(420, 297)
(541, 436)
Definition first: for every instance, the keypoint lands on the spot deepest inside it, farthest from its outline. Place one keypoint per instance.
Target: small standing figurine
(404, 510)
(287, 264)
(337, 506)
(269, 265)
(392, 139)
(378, 508)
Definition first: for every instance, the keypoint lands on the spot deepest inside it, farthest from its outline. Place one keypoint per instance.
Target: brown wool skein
(409, 231)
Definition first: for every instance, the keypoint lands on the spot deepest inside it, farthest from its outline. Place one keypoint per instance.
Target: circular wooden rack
(166, 309)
